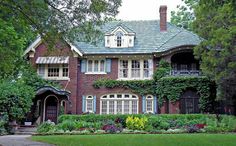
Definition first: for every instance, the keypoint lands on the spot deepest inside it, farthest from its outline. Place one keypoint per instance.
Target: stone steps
(25, 130)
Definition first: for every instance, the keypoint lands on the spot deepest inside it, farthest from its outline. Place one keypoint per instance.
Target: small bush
(67, 125)
(111, 128)
(136, 123)
(46, 127)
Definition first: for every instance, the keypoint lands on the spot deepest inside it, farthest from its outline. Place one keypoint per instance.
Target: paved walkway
(19, 140)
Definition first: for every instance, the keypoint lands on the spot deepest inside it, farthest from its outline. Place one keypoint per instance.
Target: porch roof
(54, 90)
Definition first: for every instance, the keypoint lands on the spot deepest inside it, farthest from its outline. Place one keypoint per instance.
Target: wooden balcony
(185, 73)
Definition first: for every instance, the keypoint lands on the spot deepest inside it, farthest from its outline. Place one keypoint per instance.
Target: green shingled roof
(148, 38)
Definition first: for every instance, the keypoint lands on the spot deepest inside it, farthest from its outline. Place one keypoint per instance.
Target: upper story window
(55, 68)
(53, 71)
(135, 69)
(95, 66)
(119, 36)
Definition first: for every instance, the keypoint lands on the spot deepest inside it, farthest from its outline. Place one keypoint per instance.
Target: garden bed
(142, 124)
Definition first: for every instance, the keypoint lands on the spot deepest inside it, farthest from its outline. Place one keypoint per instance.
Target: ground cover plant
(140, 140)
(140, 123)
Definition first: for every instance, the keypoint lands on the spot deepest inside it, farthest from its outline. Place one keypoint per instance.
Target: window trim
(99, 66)
(60, 77)
(122, 99)
(89, 97)
(129, 77)
(152, 100)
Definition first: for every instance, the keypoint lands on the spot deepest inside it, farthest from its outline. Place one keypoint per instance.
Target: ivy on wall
(166, 87)
(172, 88)
(141, 87)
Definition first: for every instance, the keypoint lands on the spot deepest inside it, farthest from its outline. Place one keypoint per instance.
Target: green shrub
(46, 127)
(67, 125)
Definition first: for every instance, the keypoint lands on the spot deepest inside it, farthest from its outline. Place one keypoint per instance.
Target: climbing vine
(172, 88)
(166, 87)
(142, 87)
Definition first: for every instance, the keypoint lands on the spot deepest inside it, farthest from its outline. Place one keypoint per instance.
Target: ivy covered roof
(148, 38)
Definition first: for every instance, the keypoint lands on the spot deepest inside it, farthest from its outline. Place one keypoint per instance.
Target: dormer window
(119, 39)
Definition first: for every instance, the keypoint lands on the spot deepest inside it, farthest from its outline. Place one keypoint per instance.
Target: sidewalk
(19, 140)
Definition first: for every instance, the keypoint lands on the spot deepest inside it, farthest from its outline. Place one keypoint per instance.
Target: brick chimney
(162, 11)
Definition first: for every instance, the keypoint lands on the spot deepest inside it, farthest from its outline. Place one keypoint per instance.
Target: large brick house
(130, 50)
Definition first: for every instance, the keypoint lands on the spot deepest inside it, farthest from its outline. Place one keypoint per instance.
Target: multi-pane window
(135, 69)
(53, 70)
(119, 39)
(95, 66)
(90, 66)
(149, 104)
(65, 70)
(89, 103)
(124, 68)
(104, 107)
(41, 70)
(189, 102)
(119, 104)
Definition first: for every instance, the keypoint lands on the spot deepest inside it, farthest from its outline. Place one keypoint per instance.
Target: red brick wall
(42, 51)
(85, 86)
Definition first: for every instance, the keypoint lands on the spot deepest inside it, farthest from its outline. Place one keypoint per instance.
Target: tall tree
(216, 23)
(71, 20)
(184, 16)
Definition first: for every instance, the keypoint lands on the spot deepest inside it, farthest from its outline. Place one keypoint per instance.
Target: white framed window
(41, 70)
(53, 71)
(119, 104)
(65, 70)
(149, 104)
(96, 66)
(89, 104)
(135, 69)
(119, 36)
(123, 69)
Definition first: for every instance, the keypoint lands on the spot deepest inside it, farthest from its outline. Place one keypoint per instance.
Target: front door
(51, 109)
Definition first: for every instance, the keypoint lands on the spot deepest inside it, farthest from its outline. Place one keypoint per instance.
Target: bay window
(119, 104)
(135, 69)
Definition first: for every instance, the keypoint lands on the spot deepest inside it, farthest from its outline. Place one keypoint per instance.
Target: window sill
(95, 73)
(57, 78)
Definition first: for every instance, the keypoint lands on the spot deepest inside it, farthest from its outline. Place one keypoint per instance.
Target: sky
(145, 9)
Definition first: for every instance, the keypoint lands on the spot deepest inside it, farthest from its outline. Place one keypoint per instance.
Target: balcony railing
(185, 72)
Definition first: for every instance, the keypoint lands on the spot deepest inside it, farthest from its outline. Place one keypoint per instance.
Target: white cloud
(145, 9)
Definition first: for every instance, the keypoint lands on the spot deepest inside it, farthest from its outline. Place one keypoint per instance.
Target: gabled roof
(148, 38)
(120, 25)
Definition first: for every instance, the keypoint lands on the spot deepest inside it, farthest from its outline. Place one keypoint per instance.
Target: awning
(53, 60)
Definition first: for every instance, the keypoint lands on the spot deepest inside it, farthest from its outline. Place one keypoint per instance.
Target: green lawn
(141, 140)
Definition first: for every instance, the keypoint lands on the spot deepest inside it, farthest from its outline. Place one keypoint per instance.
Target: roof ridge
(170, 39)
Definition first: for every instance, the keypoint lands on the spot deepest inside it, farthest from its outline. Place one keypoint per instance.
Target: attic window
(119, 39)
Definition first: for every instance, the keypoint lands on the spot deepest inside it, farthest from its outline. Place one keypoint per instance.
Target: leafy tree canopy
(184, 16)
(216, 23)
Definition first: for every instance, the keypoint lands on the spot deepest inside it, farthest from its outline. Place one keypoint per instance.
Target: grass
(140, 140)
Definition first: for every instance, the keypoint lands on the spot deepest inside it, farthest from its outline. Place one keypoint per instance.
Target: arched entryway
(189, 102)
(51, 108)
